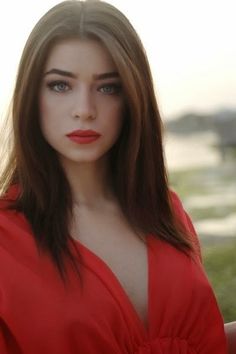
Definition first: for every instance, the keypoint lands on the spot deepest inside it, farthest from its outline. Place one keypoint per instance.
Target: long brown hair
(137, 159)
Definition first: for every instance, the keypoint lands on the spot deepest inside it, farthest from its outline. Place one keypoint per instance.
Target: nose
(83, 106)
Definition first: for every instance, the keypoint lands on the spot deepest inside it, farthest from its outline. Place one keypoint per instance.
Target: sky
(189, 44)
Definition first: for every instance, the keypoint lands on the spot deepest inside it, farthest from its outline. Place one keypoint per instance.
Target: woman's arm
(230, 331)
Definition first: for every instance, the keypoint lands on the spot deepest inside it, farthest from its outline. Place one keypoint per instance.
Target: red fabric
(41, 315)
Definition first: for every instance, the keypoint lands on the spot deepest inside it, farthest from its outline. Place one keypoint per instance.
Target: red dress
(41, 315)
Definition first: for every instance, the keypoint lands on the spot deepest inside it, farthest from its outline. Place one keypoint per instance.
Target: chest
(123, 253)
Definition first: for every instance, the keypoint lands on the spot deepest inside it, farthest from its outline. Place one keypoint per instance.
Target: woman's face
(81, 101)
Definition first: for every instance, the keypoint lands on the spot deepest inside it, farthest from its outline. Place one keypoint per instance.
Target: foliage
(220, 265)
(218, 254)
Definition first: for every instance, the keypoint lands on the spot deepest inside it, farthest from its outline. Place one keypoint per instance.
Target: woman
(230, 330)
(97, 254)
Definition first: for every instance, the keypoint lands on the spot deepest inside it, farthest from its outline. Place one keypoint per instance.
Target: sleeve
(208, 335)
(8, 343)
(3, 348)
(193, 235)
(186, 221)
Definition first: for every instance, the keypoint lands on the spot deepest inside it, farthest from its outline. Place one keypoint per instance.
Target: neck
(90, 182)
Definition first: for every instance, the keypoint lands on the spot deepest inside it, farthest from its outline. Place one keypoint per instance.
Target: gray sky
(190, 45)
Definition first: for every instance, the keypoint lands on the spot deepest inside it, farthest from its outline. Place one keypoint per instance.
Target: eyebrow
(60, 72)
(108, 75)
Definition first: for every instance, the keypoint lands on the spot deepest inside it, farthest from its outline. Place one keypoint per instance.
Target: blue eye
(59, 86)
(110, 89)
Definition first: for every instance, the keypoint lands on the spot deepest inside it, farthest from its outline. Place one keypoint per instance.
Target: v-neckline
(111, 281)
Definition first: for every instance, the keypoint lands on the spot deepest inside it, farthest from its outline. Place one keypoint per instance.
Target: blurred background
(191, 48)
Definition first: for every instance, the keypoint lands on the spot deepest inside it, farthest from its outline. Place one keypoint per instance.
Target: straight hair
(137, 159)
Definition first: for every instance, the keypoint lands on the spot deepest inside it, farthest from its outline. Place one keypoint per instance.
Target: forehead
(80, 55)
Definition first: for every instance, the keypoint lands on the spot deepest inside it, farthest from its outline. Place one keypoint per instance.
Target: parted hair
(137, 159)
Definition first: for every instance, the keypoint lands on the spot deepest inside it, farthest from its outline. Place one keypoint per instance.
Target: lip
(82, 133)
(83, 136)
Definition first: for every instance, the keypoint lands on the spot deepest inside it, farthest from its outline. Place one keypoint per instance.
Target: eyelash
(115, 87)
(52, 85)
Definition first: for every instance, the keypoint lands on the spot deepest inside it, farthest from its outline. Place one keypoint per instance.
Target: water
(183, 152)
(210, 186)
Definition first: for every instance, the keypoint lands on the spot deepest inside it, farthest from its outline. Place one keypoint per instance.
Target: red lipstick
(83, 136)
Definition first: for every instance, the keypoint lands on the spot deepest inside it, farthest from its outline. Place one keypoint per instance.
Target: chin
(87, 158)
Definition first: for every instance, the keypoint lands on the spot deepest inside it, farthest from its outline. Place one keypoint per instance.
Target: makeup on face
(83, 136)
(81, 101)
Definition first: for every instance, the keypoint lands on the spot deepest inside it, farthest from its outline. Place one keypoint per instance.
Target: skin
(82, 101)
(230, 331)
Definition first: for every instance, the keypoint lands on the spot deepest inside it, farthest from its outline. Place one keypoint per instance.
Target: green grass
(205, 180)
(212, 212)
(219, 259)
(220, 265)
(188, 182)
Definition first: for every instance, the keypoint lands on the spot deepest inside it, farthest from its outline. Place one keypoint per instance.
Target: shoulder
(15, 231)
(183, 217)
(178, 209)
(9, 196)
(176, 204)
(9, 217)
(19, 255)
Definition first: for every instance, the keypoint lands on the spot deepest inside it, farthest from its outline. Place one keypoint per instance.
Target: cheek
(115, 130)
(49, 116)
(115, 120)
(50, 128)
